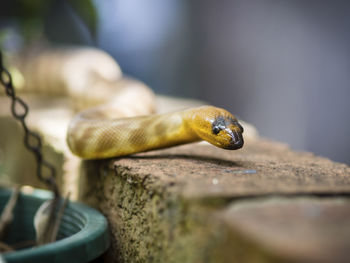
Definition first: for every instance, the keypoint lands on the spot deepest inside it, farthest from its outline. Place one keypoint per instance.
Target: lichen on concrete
(148, 223)
(165, 206)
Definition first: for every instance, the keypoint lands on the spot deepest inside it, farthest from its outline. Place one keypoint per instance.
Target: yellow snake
(91, 137)
(112, 130)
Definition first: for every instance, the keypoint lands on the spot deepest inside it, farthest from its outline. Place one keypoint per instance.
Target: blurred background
(282, 65)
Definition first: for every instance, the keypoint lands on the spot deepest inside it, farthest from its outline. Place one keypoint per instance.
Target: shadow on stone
(199, 158)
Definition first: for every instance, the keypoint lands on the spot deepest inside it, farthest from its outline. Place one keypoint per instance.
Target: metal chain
(32, 140)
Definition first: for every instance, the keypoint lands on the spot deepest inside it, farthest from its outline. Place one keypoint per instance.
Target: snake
(92, 137)
(120, 119)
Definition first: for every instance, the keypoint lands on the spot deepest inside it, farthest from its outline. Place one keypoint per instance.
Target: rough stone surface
(175, 205)
(261, 167)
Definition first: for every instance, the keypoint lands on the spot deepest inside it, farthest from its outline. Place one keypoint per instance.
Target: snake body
(92, 138)
(126, 124)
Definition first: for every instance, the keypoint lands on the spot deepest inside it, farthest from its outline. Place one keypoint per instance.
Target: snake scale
(116, 115)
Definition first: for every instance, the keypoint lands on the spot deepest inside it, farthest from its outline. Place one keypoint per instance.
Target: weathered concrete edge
(157, 224)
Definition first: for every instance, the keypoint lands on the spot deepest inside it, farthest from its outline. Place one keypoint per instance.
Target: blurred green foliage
(32, 15)
(87, 13)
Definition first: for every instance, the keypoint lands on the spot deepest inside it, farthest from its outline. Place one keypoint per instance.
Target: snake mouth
(237, 141)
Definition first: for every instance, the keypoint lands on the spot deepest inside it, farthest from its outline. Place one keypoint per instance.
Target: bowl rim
(85, 245)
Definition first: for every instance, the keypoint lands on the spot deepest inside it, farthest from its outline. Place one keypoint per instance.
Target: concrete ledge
(179, 204)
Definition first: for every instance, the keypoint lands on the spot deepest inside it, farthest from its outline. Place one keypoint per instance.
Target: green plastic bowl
(82, 237)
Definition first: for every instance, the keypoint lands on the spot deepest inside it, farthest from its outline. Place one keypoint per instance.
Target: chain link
(32, 140)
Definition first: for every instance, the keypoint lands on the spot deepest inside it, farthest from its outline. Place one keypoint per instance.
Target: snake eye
(218, 125)
(216, 129)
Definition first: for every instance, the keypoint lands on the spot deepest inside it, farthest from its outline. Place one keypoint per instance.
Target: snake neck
(169, 130)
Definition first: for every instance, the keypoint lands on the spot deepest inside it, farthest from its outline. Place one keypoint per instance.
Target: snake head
(218, 127)
(227, 132)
